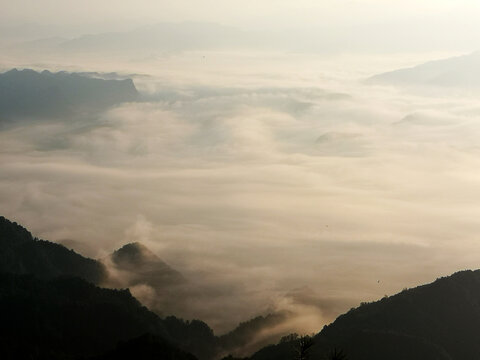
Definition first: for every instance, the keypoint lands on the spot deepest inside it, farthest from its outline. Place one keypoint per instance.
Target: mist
(273, 182)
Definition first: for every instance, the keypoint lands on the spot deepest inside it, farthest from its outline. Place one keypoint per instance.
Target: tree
(289, 338)
(303, 347)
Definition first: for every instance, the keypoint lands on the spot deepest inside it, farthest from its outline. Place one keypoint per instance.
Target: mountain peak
(134, 253)
(143, 266)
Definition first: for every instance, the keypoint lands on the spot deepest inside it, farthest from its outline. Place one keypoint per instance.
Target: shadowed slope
(435, 321)
(20, 253)
(143, 267)
(69, 318)
(145, 347)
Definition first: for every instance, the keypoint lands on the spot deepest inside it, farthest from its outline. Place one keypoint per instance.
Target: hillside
(68, 318)
(145, 347)
(21, 253)
(434, 321)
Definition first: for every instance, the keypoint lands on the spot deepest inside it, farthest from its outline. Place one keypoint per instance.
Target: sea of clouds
(271, 181)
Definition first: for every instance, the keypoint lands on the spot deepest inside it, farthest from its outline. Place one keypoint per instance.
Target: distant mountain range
(157, 38)
(162, 37)
(27, 94)
(462, 71)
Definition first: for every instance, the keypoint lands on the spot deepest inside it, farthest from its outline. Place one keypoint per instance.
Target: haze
(341, 26)
(258, 162)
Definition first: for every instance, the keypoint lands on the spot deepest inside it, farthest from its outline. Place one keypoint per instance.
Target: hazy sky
(389, 25)
(278, 13)
(263, 13)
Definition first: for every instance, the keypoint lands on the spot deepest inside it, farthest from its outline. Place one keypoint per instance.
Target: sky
(275, 179)
(386, 22)
(279, 13)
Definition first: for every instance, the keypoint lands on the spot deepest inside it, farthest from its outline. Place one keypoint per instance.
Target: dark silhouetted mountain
(134, 264)
(45, 315)
(145, 347)
(157, 285)
(29, 94)
(461, 71)
(435, 321)
(68, 318)
(143, 267)
(20, 253)
(43, 282)
(253, 334)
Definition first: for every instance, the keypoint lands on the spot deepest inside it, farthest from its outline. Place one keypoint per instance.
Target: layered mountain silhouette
(156, 284)
(462, 71)
(27, 94)
(51, 309)
(44, 269)
(57, 283)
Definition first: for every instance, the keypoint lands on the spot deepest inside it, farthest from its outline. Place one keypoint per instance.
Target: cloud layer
(270, 192)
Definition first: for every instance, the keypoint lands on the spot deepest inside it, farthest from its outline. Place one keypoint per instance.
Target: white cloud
(230, 185)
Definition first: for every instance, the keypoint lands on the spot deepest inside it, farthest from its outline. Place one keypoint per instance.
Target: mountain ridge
(431, 321)
(21, 253)
(29, 94)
